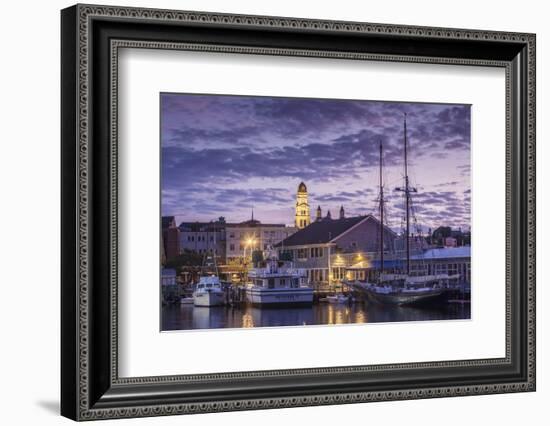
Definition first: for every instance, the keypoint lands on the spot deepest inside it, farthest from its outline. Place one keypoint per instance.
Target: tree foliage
(186, 259)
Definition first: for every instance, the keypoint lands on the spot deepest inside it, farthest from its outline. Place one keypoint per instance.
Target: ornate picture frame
(91, 37)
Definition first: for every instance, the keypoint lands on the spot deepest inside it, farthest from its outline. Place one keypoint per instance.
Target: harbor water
(189, 317)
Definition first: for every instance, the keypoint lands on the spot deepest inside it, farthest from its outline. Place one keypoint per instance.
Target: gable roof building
(321, 232)
(363, 229)
(326, 247)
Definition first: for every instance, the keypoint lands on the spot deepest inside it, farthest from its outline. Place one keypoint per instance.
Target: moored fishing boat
(209, 292)
(275, 286)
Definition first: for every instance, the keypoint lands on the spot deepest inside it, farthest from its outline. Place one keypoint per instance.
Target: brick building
(170, 237)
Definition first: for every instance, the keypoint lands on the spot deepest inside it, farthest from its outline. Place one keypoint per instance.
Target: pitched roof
(255, 224)
(217, 225)
(321, 232)
(201, 226)
(444, 253)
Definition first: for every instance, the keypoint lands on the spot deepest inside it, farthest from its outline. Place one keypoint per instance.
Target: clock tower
(302, 218)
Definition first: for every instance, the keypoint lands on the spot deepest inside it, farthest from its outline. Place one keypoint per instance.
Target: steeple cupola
(319, 214)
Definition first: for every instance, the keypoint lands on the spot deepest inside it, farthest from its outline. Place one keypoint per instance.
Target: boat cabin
(208, 283)
(277, 282)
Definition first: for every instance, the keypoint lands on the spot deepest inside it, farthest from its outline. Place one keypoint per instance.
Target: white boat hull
(337, 299)
(407, 297)
(208, 298)
(283, 296)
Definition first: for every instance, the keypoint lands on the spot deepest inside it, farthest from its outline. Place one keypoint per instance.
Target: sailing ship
(273, 285)
(402, 288)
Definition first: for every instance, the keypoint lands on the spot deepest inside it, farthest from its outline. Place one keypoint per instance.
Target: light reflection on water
(188, 317)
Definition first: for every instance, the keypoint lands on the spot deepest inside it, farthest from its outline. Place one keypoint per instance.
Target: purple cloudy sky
(223, 155)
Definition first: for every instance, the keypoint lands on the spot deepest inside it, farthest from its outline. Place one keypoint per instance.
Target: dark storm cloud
(192, 135)
(434, 206)
(438, 155)
(332, 198)
(298, 116)
(218, 152)
(258, 195)
(309, 161)
(443, 184)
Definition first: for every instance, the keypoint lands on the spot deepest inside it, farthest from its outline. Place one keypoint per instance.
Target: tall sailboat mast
(407, 190)
(381, 215)
(407, 197)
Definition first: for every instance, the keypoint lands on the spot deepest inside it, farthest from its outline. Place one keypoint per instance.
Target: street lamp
(249, 242)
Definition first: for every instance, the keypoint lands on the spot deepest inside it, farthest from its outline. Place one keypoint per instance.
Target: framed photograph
(263, 212)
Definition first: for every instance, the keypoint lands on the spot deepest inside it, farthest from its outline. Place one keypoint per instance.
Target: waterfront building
(448, 260)
(170, 237)
(204, 237)
(302, 216)
(326, 247)
(244, 238)
(431, 261)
